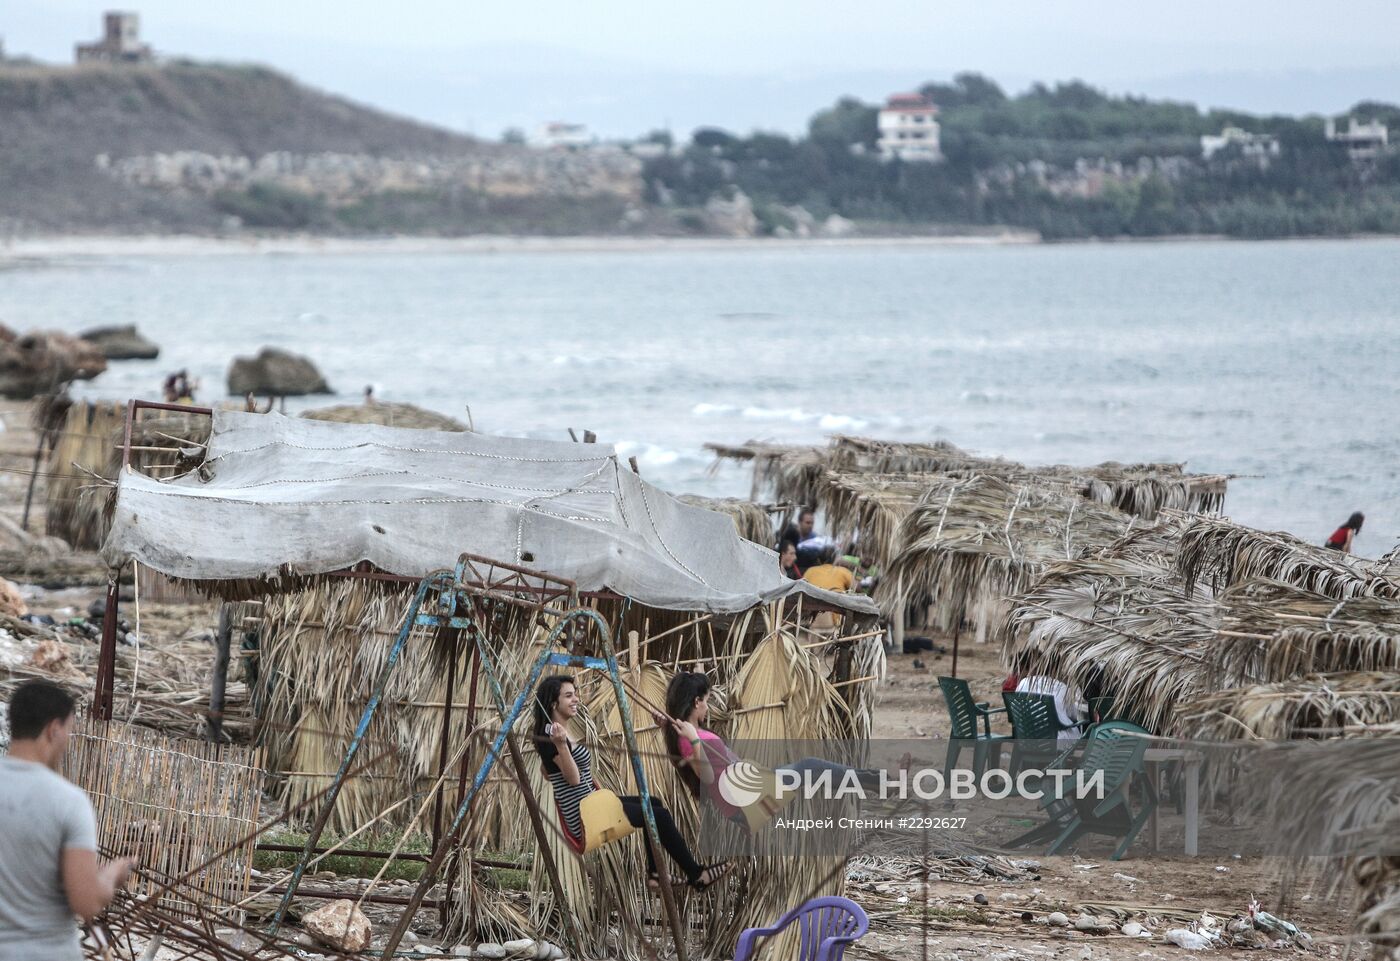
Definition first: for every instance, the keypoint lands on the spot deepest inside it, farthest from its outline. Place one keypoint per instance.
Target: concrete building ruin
(120, 43)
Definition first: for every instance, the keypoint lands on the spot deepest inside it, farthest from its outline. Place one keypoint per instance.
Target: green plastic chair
(1116, 749)
(1036, 727)
(965, 714)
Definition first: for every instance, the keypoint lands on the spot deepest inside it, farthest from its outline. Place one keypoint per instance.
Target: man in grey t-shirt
(48, 838)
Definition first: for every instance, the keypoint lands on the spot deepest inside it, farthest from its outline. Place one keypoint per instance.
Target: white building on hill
(1259, 147)
(560, 134)
(1364, 141)
(909, 129)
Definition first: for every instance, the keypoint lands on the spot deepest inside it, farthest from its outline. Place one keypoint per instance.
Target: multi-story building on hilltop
(908, 126)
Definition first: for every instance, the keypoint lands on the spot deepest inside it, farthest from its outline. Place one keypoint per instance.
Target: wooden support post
(897, 625)
(223, 638)
(33, 477)
(589, 437)
(957, 634)
(442, 750)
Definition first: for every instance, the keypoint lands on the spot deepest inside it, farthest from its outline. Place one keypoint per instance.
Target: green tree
(847, 122)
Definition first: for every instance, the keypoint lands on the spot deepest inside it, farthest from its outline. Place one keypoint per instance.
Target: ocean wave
(984, 397)
(650, 455)
(841, 422)
(712, 410)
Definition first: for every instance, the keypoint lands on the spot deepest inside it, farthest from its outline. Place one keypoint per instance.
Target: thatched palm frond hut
(1125, 612)
(971, 544)
(754, 521)
(1308, 706)
(1223, 553)
(1272, 632)
(771, 465)
(800, 475)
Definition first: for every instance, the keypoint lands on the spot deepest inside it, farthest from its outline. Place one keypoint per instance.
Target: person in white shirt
(1071, 713)
(49, 871)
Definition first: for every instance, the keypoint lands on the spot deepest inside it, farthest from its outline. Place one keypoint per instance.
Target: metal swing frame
(465, 597)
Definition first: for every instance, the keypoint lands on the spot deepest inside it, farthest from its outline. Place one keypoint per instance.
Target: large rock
(732, 216)
(339, 925)
(42, 361)
(275, 373)
(121, 343)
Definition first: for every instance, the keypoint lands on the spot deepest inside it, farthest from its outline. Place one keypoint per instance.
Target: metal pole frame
(366, 716)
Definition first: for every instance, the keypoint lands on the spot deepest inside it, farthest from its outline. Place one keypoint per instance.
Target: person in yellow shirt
(828, 576)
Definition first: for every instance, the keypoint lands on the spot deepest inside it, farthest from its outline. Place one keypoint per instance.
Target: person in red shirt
(1343, 536)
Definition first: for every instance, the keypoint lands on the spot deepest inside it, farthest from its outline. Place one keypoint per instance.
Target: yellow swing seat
(604, 820)
(759, 814)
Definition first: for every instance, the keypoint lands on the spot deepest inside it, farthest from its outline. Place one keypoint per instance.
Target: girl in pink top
(687, 701)
(687, 707)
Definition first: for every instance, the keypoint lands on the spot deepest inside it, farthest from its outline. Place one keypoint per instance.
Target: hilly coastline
(227, 150)
(188, 147)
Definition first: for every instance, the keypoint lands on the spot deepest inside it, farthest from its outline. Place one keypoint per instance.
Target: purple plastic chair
(828, 926)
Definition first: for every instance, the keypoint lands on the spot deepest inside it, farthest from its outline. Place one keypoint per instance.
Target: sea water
(1274, 361)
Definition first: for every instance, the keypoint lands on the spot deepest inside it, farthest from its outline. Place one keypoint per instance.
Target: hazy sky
(625, 66)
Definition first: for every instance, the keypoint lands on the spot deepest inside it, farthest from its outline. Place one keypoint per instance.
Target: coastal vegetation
(1066, 160)
(184, 147)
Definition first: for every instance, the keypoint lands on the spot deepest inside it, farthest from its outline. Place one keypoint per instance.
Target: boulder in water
(276, 373)
(42, 361)
(121, 343)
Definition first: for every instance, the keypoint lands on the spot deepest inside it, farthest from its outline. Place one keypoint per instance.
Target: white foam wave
(652, 455)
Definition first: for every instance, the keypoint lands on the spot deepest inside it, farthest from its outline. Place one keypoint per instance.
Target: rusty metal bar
(107, 656)
(386, 855)
(331, 894)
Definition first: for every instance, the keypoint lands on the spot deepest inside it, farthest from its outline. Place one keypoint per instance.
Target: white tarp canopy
(279, 494)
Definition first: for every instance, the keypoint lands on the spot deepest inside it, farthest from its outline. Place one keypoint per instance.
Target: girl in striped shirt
(569, 767)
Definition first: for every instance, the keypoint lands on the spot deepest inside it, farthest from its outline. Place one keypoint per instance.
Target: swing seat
(603, 821)
(759, 814)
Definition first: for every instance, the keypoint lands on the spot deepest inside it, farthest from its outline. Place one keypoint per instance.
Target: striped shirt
(567, 797)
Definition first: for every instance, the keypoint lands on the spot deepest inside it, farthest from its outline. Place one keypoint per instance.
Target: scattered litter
(1221, 869)
(1085, 867)
(1128, 877)
(1187, 939)
(980, 899)
(1091, 925)
(1277, 927)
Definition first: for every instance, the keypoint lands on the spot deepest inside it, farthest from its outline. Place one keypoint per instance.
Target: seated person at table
(1070, 712)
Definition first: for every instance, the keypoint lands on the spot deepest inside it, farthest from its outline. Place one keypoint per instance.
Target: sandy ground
(1158, 890)
(33, 251)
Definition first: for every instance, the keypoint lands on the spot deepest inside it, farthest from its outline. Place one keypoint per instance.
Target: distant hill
(90, 148)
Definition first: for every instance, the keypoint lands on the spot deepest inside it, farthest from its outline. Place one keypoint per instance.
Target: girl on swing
(569, 767)
(687, 704)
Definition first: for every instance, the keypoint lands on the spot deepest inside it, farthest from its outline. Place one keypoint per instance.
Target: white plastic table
(1190, 760)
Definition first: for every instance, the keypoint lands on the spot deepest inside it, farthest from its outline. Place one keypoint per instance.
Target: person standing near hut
(1343, 536)
(803, 529)
(48, 836)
